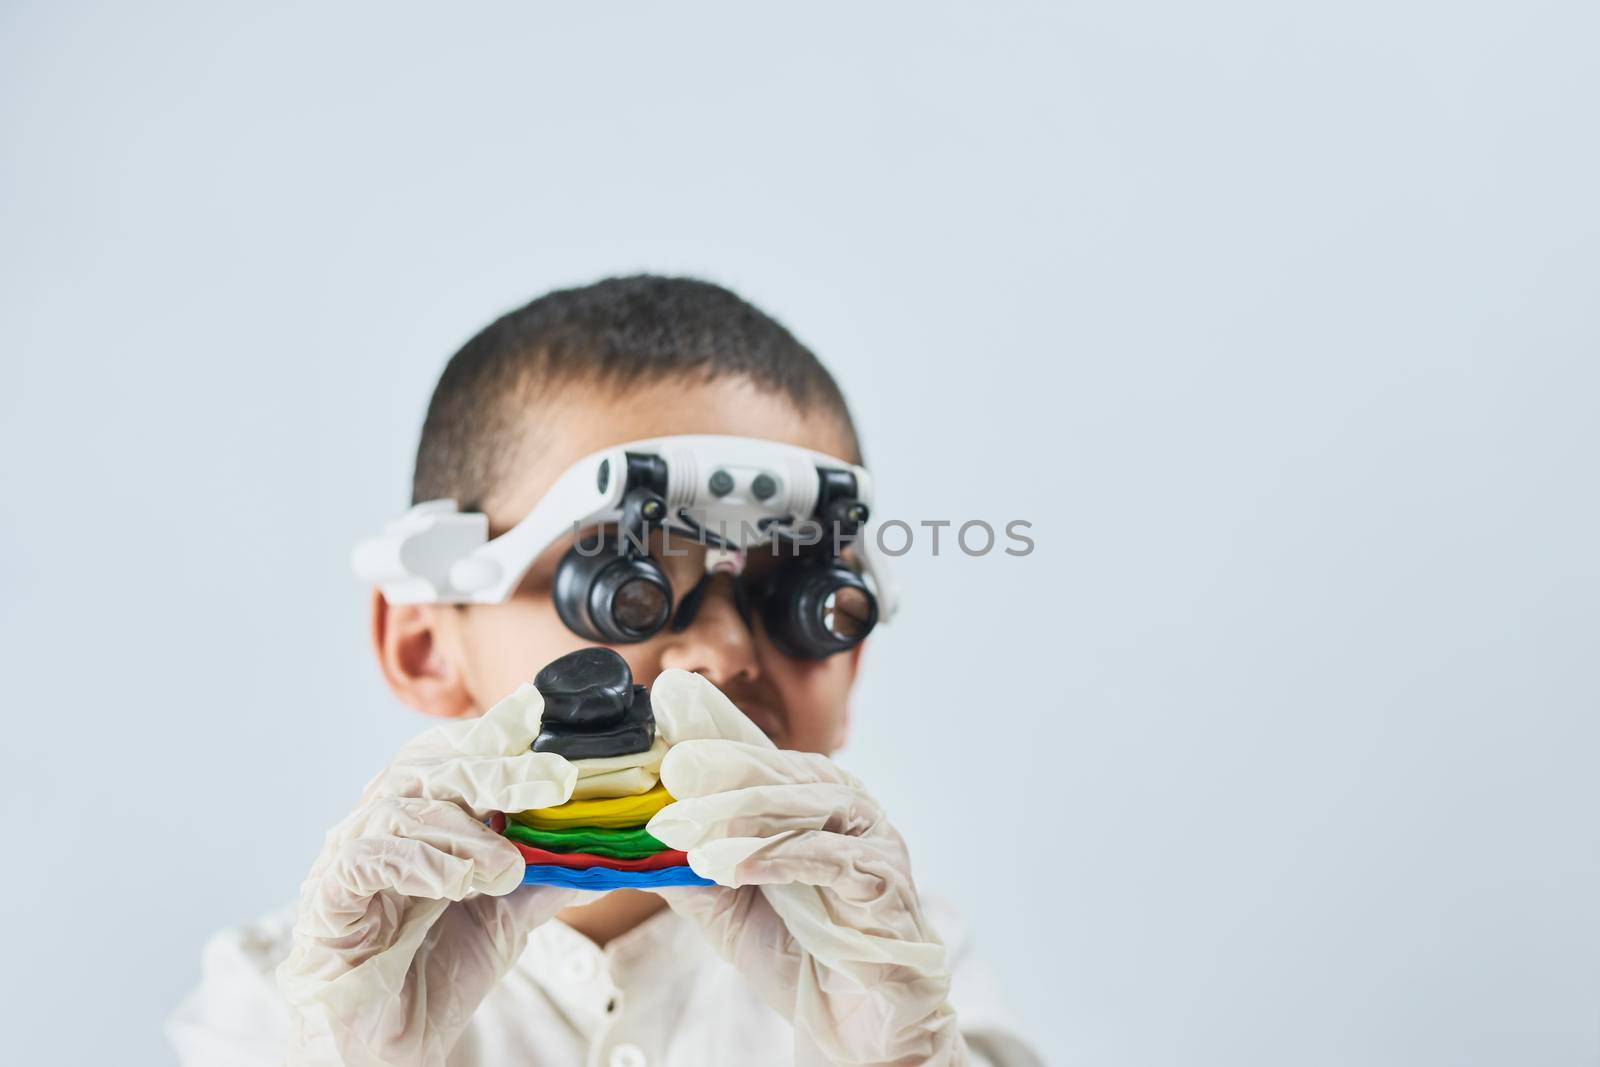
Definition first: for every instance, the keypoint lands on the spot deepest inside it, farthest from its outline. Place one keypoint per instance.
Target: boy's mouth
(767, 720)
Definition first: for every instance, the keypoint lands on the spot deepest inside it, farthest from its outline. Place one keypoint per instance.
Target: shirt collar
(557, 953)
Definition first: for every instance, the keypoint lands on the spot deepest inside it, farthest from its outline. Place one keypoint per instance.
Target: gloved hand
(408, 916)
(820, 913)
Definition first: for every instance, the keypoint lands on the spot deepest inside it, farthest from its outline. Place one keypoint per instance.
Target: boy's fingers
(698, 768)
(427, 849)
(341, 909)
(852, 870)
(730, 861)
(687, 706)
(763, 812)
(505, 729)
(448, 828)
(844, 905)
(489, 783)
(404, 865)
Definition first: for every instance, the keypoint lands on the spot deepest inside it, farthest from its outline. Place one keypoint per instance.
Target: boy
(414, 941)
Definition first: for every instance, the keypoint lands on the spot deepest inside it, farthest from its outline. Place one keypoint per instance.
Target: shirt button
(627, 1056)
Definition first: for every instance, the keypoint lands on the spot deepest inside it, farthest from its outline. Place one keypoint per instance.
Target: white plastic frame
(435, 553)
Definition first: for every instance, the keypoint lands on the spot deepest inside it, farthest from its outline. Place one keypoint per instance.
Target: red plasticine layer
(665, 858)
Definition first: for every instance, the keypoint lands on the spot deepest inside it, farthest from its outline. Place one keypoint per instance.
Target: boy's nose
(717, 644)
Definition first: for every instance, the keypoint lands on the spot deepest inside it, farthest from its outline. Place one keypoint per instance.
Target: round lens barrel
(812, 611)
(605, 594)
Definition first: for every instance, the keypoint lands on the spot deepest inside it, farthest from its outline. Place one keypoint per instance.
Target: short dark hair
(617, 332)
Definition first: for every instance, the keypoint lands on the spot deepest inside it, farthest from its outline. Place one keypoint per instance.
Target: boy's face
(474, 655)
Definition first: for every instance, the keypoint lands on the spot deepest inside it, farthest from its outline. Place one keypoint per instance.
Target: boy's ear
(411, 655)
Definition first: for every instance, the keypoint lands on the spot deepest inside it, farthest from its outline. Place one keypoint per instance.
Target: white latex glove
(408, 916)
(820, 913)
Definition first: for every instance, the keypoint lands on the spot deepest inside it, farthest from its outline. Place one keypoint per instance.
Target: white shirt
(657, 996)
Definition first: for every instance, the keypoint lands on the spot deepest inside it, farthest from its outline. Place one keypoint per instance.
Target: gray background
(1278, 322)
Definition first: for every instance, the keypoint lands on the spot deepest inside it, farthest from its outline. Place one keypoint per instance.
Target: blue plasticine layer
(602, 878)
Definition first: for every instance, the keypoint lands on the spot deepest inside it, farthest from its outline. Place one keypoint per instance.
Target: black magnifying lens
(813, 610)
(606, 591)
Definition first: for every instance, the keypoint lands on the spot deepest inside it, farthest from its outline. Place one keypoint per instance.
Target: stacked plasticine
(598, 843)
(599, 720)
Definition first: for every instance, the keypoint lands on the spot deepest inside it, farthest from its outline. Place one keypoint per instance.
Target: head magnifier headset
(735, 495)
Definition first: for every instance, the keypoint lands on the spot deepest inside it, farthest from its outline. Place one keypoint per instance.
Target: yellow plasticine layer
(610, 812)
